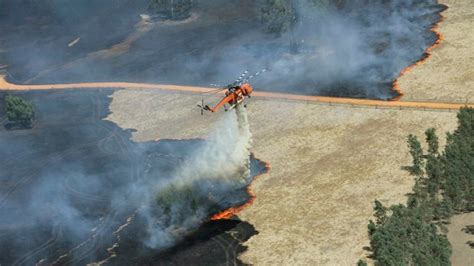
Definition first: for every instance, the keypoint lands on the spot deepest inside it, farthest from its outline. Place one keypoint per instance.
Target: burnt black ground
(214, 243)
(67, 181)
(225, 39)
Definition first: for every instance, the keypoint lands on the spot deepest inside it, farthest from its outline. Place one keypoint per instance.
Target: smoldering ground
(344, 48)
(75, 188)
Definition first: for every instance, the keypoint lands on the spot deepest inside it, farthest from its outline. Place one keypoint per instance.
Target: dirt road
(5, 85)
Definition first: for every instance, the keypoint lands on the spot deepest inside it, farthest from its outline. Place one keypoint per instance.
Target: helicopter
(234, 96)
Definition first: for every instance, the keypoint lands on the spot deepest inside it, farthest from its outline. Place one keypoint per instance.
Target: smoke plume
(220, 165)
(343, 48)
(75, 188)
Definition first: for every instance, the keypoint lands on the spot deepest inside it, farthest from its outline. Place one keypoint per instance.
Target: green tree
(278, 16)
(407, 239)
(434, 167)
(328, 4)
(432, 140)
(443, 209)
(172, 9)
(458, 162)
(417, 155)
(19, 111)
(380, 213)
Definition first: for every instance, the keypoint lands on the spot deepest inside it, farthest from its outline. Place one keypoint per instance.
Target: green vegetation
(458, 163)
(405, 237)
(278, 16)
(326, 4)
(179, 202)
(444, 185)
(172, 9)
(173, 195)
(469, 229)
(19, 111)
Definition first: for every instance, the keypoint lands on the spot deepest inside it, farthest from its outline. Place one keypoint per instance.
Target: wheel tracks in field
(45, 163)
(57, 232)
(90, 245)
(94, 242)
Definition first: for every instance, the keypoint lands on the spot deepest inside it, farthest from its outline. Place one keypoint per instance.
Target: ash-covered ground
(353, 48)
(75, 189)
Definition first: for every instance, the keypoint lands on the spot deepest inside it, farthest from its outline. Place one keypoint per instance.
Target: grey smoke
(74, 180)
(357, 48)
(226, 151)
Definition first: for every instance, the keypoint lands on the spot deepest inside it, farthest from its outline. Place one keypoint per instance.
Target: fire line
(229, 213)
(426, 55)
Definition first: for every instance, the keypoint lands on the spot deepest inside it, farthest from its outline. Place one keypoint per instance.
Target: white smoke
(223, 162)
(227, 150)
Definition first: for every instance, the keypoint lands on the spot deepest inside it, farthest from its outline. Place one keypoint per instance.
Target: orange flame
(427, 55)
(229, 213)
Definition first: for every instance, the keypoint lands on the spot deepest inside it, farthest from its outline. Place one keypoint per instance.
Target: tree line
(411, 234)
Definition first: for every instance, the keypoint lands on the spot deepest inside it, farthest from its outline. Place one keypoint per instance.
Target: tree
(327, 4)
(417, 155)
(380, 213)
(458, 162)
(406, 239)
(443, 209)
(278, 16)
(172, 9)
(19, 111)
(433, 168)
(432, 140)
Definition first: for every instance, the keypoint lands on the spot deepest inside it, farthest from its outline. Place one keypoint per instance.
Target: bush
(278, 16)
(172, 9)
(181, 200)
(19, 111)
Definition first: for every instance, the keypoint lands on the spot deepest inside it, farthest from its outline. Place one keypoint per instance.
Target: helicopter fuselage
(233, 96)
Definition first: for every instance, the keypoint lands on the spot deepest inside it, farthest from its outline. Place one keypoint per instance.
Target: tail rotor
(201, 106)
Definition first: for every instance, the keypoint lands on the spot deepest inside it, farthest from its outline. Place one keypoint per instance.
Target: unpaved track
(5, 85)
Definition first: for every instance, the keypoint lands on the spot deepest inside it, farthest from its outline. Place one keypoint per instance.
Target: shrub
(19, 111)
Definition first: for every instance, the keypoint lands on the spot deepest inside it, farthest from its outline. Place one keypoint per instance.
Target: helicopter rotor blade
(255, 75)
(241, 78)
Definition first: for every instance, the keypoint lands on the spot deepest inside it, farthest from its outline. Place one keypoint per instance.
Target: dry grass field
(328, 165)
(448, 76)
(328, 162)
(462, 252)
